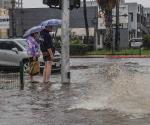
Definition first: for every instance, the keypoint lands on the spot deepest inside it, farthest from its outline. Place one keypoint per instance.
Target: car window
(14, 45)
(4, 45)
(23, 43)
(8, 45)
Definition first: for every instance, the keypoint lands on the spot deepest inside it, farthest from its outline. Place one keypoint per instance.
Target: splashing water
(118, 87)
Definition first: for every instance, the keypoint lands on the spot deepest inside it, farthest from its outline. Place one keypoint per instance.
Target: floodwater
(102, 92)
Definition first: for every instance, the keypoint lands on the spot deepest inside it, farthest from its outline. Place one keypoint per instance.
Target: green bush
(78, 49)
(75, 41)
(146, 41)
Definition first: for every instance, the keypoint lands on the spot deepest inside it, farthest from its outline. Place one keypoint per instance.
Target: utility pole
(13, 2)
(21, 2)
(65, 51)
(86, 21)
(117, 35)
(22, 20)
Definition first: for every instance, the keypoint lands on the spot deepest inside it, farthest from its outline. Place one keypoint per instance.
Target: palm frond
(107, 4)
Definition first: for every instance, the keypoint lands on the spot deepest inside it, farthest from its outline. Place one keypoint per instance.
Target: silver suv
(13, 51)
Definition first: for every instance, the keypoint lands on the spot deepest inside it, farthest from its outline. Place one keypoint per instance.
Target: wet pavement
(102, 92)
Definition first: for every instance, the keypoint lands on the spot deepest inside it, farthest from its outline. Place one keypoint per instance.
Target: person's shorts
(46, 56)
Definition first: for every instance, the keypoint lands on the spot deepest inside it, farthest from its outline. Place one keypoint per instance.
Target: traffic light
(74, 4)
(58, 3)
(53, 3)
(77, 3)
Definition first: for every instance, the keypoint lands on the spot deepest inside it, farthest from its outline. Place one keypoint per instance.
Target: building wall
(124, 38)
(27, 18)
(133, 10)
(147, 14)
(122, 1)
(124, 32)
(90, 3)
(7, 4)
(137, 20)
(3, 31)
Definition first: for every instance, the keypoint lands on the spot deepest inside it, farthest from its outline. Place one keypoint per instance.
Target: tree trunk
(86, 21)
(109, 36)
(117, 35)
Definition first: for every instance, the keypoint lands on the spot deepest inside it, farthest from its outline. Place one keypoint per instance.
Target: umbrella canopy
(51, 22)
(34, 29)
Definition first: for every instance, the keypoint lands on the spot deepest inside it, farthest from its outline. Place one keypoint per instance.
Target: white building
(147, 14)
(6, 4)
(137, 20)
(90, 3)
(123, 19)
(4, 23)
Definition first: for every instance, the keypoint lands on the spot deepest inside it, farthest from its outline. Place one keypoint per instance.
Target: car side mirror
(15, 50)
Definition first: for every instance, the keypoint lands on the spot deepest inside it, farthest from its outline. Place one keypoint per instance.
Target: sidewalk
(112, 56)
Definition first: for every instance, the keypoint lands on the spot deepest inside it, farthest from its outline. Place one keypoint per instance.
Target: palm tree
(106, 6)
(86, 20)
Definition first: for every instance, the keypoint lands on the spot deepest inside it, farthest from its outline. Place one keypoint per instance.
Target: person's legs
(44, 73)
(31, 78)
(48, 70)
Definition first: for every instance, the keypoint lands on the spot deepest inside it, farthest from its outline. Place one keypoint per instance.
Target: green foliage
(75, 41)
(78, 49)
(121, 52)
(146, 41)
(100, 52)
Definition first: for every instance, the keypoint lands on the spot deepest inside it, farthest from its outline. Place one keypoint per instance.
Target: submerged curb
(112, 56)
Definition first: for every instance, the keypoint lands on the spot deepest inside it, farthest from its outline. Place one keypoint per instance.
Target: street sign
(4, 22)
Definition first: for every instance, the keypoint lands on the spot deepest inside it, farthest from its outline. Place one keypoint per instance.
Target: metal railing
(12, 77)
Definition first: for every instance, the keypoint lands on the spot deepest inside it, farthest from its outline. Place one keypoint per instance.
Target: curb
(112, 56)
(89, 56)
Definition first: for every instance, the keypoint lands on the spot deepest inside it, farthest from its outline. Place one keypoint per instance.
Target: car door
(9, 57)
(2, 53)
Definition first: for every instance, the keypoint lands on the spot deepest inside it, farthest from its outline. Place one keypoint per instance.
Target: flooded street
(102, 92)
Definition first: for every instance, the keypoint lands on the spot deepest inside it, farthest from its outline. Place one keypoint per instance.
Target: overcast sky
(38, 3)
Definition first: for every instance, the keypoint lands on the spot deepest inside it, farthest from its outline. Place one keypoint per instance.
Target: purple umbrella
(51, 22)
(34, 29)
